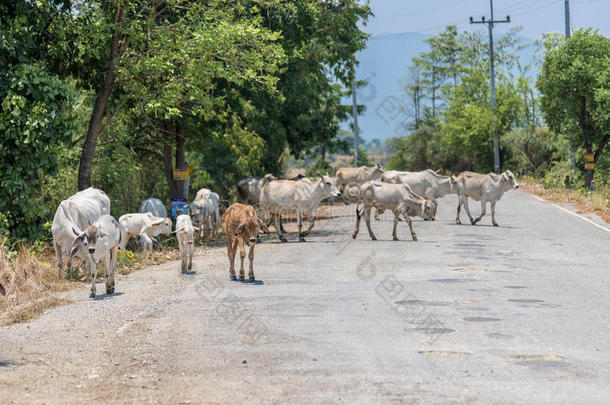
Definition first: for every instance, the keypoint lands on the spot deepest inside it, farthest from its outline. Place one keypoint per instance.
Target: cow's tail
(122, 237)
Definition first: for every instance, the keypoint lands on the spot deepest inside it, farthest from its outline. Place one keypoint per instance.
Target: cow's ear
(158, 221)
(101, 234)
(263, 226)
(240, 228)
(178, 230)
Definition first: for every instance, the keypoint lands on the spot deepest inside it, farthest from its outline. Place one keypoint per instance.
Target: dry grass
(29, 278)
(598, 202)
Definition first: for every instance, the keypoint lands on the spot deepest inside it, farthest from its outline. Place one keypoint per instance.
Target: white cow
(144, 225)
(73, 216)
(300, 196)
(154, 206)
(184, 233)
(485, 188)
(399, 198)
(101, 241)
(205, 211)
(249, 189)
(427, 183)
(356, 176)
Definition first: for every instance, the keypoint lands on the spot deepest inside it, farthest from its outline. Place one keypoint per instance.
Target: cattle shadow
(480, 225)
(248, 282)
(7, 363)
(102, 297)
(190, 273)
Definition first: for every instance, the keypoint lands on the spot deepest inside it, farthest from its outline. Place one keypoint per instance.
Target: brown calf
(242, 226)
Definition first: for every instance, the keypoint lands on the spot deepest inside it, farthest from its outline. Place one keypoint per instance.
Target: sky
(399, 28)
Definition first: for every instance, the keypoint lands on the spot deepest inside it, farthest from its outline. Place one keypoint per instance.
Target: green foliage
(575, 85)
(534, 150)
(36, 121)
(319, 165)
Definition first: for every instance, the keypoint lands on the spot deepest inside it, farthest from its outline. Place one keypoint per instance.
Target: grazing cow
(184, 233)
(154, 206)
(300, 196)
(242, 226)
(102, 241)
(485, 188)
(144, 225)
(205, 211)
(356, 176)
(398, 198)
(73, 216)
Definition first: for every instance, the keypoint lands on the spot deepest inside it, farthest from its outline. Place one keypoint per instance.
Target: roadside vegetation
(116, 94)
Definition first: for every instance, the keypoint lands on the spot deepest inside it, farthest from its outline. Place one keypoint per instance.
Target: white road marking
(571, 213)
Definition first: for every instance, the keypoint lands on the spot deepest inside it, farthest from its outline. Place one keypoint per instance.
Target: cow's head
(87, 239)
(428, 210)
(509, 180)
(378, 171)
(249, 229)
(164, 225)
(328, 185)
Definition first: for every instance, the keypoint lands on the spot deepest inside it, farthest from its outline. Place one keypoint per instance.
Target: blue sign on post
(178, 206)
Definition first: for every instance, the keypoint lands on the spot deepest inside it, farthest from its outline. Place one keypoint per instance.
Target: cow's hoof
(283, 240)
(496, 224)
(414, 238)
(241, 278)
(426, 219)
(394, 238)
(433, 219)
(301, 239)
(373, 238)
(233, 278)
(458, 222)
(110, 291)
(92, 295)
(473, 222)
(354, 236)
(251, 278)
(259, 240)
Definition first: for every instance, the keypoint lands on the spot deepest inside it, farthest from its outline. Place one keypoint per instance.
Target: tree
(36, 106)
(575, 86)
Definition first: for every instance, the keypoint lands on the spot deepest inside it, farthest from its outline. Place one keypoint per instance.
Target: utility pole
(355, 117)
(490, 24)
(567, 18)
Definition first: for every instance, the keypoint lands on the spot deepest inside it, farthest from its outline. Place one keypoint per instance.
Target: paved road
(477, 314)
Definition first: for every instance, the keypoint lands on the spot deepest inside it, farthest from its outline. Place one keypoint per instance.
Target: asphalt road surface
(467, 314)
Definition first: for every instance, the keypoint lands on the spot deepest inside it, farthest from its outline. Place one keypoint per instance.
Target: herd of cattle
(83, 227)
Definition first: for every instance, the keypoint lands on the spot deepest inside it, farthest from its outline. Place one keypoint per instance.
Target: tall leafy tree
(575, 86)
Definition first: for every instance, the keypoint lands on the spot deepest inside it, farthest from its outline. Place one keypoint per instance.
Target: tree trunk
(99, 109)
(174, 133)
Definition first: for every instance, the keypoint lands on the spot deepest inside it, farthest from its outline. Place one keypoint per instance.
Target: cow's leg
(242, 256)
(107, 271)
(465, 202)
(358, 218)
(300, 225)
(276, 225)
(367, 219)
(231, 254)
(191, 251)
(493, 214)
(93, 276)
(60, 259)
(110, 271)
(408, 218)
(483, 205)
(396, 215)
(251, 264)
(281, 223)
(312, 222)
(457, 215)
